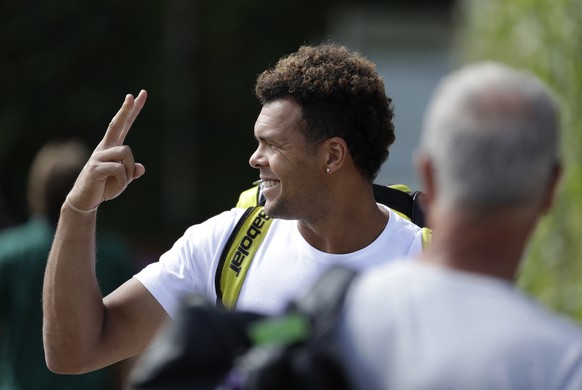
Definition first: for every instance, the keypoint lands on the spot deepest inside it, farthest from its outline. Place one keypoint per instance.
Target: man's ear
(336, 151)
(550, 195)
(425, 172)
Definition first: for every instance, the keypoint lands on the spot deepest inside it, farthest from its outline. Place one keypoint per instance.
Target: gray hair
(492, 134)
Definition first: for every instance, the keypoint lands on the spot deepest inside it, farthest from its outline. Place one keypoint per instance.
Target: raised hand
(111, 167)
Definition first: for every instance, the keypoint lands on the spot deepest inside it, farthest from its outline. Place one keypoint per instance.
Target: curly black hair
(341, 94)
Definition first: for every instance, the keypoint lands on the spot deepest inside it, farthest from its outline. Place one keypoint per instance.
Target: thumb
(138, 171)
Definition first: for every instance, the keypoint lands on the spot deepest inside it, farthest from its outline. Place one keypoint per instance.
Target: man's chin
(270, 210)
(273, 211)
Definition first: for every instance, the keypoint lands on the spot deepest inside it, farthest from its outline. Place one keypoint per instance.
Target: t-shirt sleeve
(407, 233)
(416, 246)
(189, 266)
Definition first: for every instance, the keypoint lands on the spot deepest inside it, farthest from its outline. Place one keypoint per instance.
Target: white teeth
(269, 183)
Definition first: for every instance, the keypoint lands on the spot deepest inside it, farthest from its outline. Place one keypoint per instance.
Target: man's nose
(257, 159)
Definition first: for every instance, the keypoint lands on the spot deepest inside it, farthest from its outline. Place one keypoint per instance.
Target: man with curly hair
(323, 133)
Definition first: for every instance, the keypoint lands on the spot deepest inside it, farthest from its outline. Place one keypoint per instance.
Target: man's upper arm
(132, 318)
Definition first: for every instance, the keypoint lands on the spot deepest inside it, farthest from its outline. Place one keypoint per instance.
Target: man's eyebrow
(266, 138)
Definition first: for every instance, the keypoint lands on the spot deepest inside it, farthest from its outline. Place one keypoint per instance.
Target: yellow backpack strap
(400, 187)
(238, 254)
(248, 198)
(426, 237)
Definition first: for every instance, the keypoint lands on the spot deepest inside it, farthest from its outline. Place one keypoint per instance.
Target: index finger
(116, 126)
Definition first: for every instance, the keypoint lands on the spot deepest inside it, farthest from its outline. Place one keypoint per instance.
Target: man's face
(289, 169)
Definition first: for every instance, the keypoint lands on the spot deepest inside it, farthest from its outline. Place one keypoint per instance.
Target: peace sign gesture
(111, 167)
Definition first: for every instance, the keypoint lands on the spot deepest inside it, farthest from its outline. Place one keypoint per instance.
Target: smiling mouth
(269, 183)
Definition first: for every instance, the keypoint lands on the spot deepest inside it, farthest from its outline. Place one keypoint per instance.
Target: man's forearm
(72, 301)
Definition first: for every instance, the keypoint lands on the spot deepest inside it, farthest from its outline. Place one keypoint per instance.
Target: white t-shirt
(284, 265)
(415, 326)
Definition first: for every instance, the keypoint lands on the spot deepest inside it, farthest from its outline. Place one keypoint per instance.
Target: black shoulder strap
(402, 200)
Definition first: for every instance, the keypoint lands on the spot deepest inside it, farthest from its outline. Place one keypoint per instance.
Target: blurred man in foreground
(489, 162)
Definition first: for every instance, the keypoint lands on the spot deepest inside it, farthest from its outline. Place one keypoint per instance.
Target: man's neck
(491, 246)
(345, 230)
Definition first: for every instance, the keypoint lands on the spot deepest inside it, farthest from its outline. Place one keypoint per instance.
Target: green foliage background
(545, 37)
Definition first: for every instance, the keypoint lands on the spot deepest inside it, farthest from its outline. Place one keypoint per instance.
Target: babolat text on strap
(238, 252)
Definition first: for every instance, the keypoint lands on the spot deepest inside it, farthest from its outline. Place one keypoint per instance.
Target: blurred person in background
(23, 256)
(453, 319)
